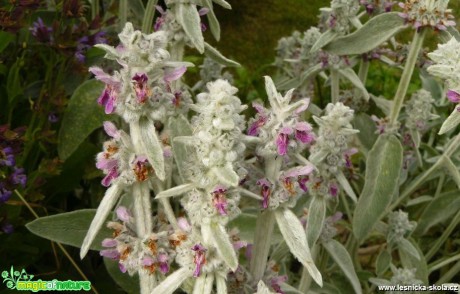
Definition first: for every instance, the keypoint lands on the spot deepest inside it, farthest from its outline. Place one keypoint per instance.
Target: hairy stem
(335, 87)
(398, 100)
(148, 17)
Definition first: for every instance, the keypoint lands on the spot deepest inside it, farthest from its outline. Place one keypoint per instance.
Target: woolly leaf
(451, 122)
(68, 228)
(383, 167)
(340, 255)
(224, 247)
(152, 147)
(295, 238)
(82, 117)
(215, 55)
(373, 33)
(315, 221)
(189, 18)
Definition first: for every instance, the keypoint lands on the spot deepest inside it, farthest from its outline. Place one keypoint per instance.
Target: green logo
(21, 281)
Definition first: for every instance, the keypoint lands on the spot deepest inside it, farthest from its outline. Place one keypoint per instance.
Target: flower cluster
(280, 129)
(41, 32)
(331, 153)
(399, 225)
(377, 6)
(427, 13)
(445, 66)
(152, 253)
(12, 176)
(419, 110)
(119, 162)
(86, 42)
(142, 88)
(210, 71)
(341, 13)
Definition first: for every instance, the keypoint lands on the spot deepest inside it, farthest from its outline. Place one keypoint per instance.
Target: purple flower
(109, 96)
(7, 228)
(122, 268)
(41, 32)
(123, 214)
(110, 253)
(333, 189)
(163, 262)
(453, 96)
(183, 224)
(199, 259)
(302, 183)
(265, 191)
(53, 118)
(141, 168)
(5, 194)
(18, 177)
(7, 157)
(141, 87)
(219, 200)
(303, 132)
(112, 175)
(147, 261)
(282, 140)
(276, 282)
(161, 20)
(107, 242)
(86, 42)
(347, 154)
(174, 74)
(262, 118)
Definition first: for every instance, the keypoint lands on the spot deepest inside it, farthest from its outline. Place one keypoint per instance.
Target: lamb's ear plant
(297, 199)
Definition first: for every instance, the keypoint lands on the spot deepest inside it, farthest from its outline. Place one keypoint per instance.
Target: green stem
(398, 100)
(306, 279)
(445, 234)
(94, 8)
(123, 13)
(148, 17)
(363, 71)
(449, 275)
(441, 263)
(335, 87)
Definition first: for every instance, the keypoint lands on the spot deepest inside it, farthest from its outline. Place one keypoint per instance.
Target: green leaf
(406, 246)
(152, 147)
(349, 74)
(82, 117)
(215, 55)
(373, 33)
(223, 245)
(5, 39)
(409, 261)
(226, 175)
(295, 238)
(366, 126)
(315, 221)
(179, 126)
(439, 210)
(451, 122)
(383, 262)
(137, 7)
(323, 40)
(125, 281)
(189, 18)
(343, 259)
(13, 82)
(212, 19)
(68, 228)
(223, 3)
(452, 170)
(383, 167)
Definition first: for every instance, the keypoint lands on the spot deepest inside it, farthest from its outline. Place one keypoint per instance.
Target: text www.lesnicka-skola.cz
(443, 287)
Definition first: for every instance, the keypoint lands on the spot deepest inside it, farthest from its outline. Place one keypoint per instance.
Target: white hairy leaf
(173, 281)
(315, 220)
(294, 235)
(224, 247)
(176, 191)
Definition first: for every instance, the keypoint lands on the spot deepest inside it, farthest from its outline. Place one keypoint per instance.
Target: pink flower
(163, 262)
(123, 214)
(265, 191)
(262, 118)
(303, 132)
(453, 96)
(199, 259)
(112, 175)
(347, 154)
(141, 87)
(283, 140)
(110, 253)
(219, 200)
(109, 96)
(174, 74)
